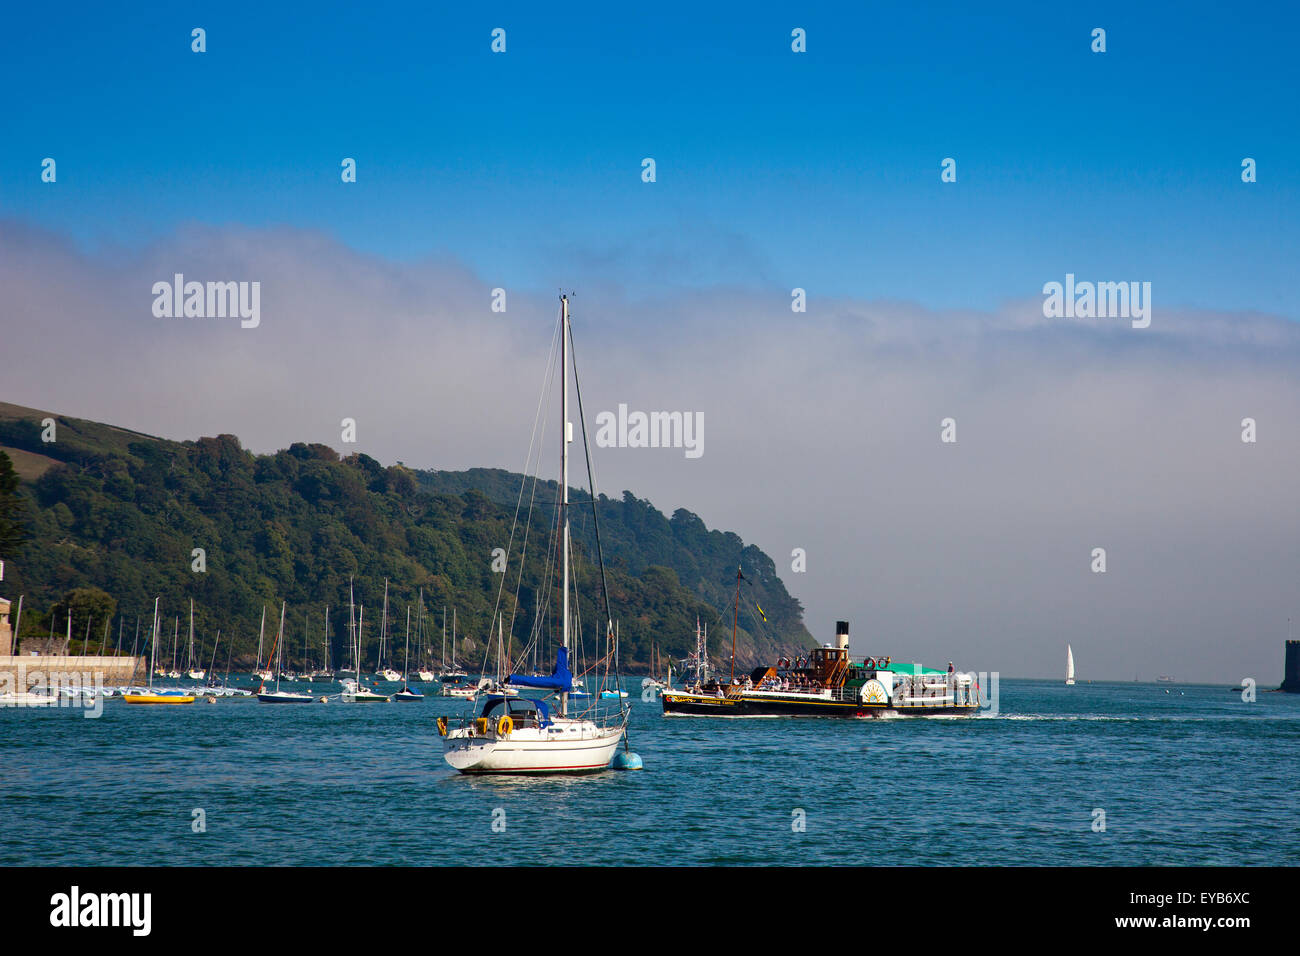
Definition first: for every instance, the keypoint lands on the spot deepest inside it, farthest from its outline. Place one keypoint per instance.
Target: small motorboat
(408, 693)
(356, 693)
(27, 699)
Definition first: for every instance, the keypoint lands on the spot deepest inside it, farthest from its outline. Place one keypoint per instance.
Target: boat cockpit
(523, 711)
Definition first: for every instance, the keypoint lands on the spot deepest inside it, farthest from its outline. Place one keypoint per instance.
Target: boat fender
(505, 725)
(442, 726)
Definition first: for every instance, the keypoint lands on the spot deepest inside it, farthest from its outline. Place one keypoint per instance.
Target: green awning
(912, 670)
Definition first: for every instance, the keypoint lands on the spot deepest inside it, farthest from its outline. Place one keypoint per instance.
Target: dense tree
(12, 509)
(126, 516)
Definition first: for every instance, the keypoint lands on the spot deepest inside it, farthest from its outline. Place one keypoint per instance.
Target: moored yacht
(517, 734)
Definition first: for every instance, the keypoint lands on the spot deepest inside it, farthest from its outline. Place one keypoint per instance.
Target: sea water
(1105, 773)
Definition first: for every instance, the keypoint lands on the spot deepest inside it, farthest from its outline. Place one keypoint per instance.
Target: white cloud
(822, 431)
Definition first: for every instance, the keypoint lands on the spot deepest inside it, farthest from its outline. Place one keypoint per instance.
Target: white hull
(27, 700)
(566, 746)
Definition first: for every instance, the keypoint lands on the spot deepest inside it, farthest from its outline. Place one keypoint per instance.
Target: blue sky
(775, 170)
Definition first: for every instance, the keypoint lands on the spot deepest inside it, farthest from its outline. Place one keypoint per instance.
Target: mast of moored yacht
(406, 655)
(361, 630)
(383, 632)
(352, 631)
(419, 633)
(261, 635)
(564, 482)
(153, 643)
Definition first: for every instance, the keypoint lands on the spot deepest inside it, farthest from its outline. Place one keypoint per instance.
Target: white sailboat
(382, 672)
(522, 735)
(1069, 666)
(452, 678)
(278, 696)
(258, 671)
(424, 673)
(355, 692)
(193, 671)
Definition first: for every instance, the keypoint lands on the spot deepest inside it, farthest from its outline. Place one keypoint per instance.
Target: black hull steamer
(828, 684)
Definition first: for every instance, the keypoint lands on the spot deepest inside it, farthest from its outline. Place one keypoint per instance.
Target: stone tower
(1291, 683)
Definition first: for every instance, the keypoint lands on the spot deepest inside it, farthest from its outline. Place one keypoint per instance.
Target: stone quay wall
(22, 673)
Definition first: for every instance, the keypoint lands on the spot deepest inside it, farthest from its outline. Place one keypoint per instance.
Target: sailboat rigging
(516, 734)
(278, 696)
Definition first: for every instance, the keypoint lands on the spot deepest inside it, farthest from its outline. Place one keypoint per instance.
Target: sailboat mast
(261, 636)
(153, 644)
(406, 654)
(383, 631)
(735, 623)
(279, 643)
(352, 631)
(564, 482)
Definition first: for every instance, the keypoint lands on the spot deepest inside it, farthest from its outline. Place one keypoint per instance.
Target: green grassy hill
(117, 510)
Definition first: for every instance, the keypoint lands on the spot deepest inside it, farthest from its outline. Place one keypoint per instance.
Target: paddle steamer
(828, 684)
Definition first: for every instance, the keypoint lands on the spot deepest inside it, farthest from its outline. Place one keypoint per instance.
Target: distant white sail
(1069, 664)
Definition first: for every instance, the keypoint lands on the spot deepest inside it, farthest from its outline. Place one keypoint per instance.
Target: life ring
(869, 663)
(505, 725)
(442, 726)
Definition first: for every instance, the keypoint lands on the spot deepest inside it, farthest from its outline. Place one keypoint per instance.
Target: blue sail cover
(560, 679)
